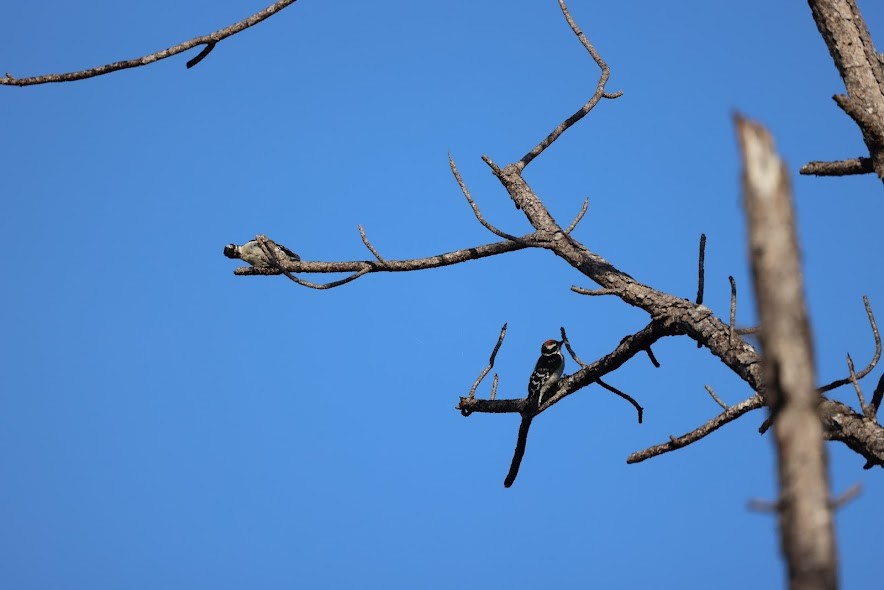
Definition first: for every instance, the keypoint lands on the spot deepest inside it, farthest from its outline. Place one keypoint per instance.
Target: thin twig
(701, 272)
(859, 392)
(757, 505)
(494, 382)
(476, 211)
(711, 391)
(593, 292)
(330, 285)
(733, 309)
(729, 415)
(368, 244)
(846, 496)
(208, 40)
(489, 366)
(610, 388)
(835, 503)
(651, 356)
(839, 382)
(625, 396)
(201, 55)
(840, 168)
(579, 216)
(568, 346)
(594, 99)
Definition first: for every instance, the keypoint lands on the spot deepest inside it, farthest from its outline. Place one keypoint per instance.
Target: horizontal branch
(840, 168)
(587, 375)
(208, 40)
(860, 434)
(372, 266)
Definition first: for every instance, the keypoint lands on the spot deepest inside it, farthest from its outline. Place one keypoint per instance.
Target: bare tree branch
(846, 497)
(208, 40)
(579, 216)
(368, 244)
(489, 366)
(806, 531)
(701, 270)
(859, 392)
(610, 388)
(476, 211)
(640, 410)
(733, 317)
(592, 292)
(582, 111)
(729, 415)
(860, 434)
(877, 356)
(362, 267)
(715, 397)
(840, 168)
(844, 30)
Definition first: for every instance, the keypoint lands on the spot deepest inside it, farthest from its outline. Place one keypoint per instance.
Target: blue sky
(165, 424)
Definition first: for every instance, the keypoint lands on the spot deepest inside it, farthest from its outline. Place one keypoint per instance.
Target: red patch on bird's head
(550, 346)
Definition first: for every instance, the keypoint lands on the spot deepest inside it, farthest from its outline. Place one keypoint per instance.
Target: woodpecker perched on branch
(547, 371)
(252, 253)
(546, 374)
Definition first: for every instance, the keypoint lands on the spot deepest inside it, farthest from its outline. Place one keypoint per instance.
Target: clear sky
(166, 424)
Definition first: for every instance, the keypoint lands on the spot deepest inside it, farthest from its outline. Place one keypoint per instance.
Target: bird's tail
(521, 441)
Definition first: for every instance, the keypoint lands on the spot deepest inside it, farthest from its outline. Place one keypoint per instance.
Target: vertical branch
(733, 317)
(701, 270)
(806, 530)
(844, 30)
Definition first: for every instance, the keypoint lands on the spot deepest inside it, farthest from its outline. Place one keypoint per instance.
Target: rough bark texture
(806, 532)
(861, 67)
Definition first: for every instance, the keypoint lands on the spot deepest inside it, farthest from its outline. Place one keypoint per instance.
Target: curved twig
(476, 211)
(201, 55)
(579, 216)
(625, 396)
(868, 369)
(208, 40)
(582, 111)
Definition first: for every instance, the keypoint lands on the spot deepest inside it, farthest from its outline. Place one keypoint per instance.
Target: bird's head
(230, 251)
(550, 347)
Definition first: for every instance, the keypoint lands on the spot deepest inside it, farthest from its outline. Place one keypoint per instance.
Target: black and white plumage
(252, 253)
(547, 371)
